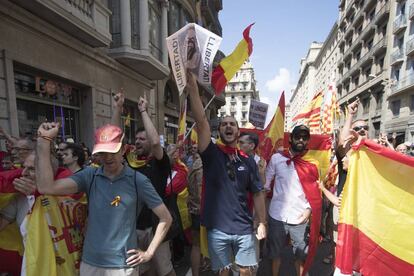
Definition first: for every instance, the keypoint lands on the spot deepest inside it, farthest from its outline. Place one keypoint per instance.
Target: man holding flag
(295, 196)
(228, 173)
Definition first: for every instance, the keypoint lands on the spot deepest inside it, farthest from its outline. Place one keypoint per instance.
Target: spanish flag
(311, 114)
(229, 65)
(194, 136)
(376, 219)
(182, 125)
(271, 139)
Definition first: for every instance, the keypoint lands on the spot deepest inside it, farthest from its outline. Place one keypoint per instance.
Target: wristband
(143, 111)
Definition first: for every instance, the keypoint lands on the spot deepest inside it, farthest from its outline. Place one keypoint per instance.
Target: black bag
(176, 225)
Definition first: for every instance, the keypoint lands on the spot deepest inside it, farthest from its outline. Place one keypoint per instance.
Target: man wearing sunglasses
(229, 174)
(295, 196)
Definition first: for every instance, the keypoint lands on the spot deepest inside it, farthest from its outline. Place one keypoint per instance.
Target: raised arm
(152, 134)
(203, 127)
(346, 132)
(117, 106)
(44, 172)
(7, 136)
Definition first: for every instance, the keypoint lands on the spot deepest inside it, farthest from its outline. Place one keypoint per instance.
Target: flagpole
(207, 105)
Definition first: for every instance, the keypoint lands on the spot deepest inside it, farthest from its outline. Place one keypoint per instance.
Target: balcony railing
(87, 20)
(397, 56)
(410, 47)
(383, 10)
(402, 84)
(411, 12)
(399, 23)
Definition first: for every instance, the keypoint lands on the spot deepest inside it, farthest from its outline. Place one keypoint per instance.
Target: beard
(298, 147)
(227, 141)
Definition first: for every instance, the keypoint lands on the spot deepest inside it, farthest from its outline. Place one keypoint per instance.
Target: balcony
(411, 12)
(382, 13)
(245, 108)
(405, 84)
(397, 56)
(210, 9)
(232, 109)
(400, 23)
(410, 47)
(85, 20)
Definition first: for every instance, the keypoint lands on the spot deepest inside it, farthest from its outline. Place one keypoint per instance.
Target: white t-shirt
(289, 201)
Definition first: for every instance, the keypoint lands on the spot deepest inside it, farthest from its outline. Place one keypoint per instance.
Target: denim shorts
(225, 248)
(276, 239)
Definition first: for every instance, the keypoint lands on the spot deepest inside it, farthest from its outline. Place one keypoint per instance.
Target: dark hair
(140, 129)
(229, 116)
(77, 151)
(253, 138)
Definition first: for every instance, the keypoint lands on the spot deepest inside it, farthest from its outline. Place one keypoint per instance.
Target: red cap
(108, 139)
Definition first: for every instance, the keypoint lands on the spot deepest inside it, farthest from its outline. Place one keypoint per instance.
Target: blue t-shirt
(225, 200)
(111, 230)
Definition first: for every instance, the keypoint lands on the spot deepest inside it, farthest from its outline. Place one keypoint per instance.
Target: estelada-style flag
(330, 110)
(311, 114)
(229, 65)
(182, 125)
(272, 136)
(377, 213)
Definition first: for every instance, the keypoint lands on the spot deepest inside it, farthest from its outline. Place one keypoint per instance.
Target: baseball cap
(300, 128)
(108, 139)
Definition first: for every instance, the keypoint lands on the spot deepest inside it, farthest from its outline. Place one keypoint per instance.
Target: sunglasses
(230, 171)
(358, 128)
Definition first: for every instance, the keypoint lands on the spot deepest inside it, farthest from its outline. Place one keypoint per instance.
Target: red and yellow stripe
(229, 65)
(313, 109)
(377, 213)
(272, 136)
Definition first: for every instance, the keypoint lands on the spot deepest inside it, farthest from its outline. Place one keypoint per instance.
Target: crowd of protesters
(135, 222)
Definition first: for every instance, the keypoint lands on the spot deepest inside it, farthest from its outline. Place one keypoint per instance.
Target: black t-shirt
(157, 172)
(225, 200)
(341, 176)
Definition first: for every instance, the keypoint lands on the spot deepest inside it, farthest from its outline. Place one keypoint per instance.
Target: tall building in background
(306, 86)
(364, 33)
(399, 115)
(240, 90)
(63, 60)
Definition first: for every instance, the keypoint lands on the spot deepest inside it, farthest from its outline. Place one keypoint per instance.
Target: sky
(282, 34)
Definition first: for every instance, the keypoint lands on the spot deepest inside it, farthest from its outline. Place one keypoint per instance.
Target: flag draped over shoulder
(271, 138)
(377, 213)
(229, 65)
(311, 114)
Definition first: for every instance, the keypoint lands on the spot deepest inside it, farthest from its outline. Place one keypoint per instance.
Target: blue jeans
(224, 248)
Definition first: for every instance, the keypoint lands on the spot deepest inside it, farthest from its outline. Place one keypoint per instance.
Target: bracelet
(143, 111)
(47, 138)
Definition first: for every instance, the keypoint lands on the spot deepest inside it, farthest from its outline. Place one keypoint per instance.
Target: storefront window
(40, 99)
(130, 121)
(171, 129)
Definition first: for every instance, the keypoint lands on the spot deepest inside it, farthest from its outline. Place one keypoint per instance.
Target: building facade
(399, 116)
(239, 92)
(63, 60)
(306, 86)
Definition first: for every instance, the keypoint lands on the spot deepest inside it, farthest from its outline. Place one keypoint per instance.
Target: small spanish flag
(229, 65)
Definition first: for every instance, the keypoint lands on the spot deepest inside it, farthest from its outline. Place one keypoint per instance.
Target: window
(371, 14)
(365, 106)
(370, 43)
(396, 74)
(244, 115)
(154, 26)
(402, 8)
(395, 107)
(411, 103)
(381, 63)
(378, 99)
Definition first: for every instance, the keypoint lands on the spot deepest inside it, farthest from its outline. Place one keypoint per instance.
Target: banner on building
(258, 113)
(193, 48)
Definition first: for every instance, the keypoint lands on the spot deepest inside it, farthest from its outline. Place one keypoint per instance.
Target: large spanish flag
(229, 65)
(377, 214)
(272, 136)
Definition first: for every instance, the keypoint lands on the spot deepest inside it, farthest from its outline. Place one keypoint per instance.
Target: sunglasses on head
(358, 128)
(230, 170)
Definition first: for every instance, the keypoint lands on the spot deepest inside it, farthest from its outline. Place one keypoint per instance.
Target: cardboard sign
(258, 113)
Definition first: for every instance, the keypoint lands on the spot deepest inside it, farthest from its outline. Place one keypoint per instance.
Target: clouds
(270, 93)
(281, 82)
